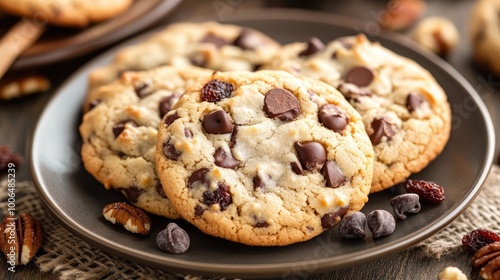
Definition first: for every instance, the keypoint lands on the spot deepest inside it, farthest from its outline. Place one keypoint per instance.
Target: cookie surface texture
(119, 133)
(71, 13)
(404, 109)
(210, 45)
(264, 158)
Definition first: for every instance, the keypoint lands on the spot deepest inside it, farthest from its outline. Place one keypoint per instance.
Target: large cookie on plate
(210, 45)
(404, 109)
(264, 158)
(119, 132)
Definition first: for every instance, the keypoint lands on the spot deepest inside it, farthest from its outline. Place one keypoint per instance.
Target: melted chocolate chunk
(120, 126)
(171, 118)
(413, 102)
(297, 168)
(333, 175)
(166, 103)
(282, 104)
(132, 193)
(381, 127)
(221, 196)
(247, 40)
(160, 191)
(261, 224)
(258, 182)
(188, 133)
(312, 155)
(332, 117)
(198, 177)
(198, 210)
(142, 89)
(225, 159)
(360, 76)
(314, 45)
(170, 151)
(217, 122)
(331, 219)
(215, 40)
(232, 142)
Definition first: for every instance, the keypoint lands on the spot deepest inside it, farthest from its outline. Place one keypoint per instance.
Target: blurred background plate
(59, 43)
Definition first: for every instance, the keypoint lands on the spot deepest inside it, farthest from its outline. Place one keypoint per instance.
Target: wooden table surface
(18, 117)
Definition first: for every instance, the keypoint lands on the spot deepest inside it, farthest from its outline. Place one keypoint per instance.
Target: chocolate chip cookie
(210, 45)
(119, 132)
(264, 158)
(74, 13)
(404, 109)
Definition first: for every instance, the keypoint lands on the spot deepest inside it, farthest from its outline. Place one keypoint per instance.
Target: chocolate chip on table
(282, 104)
(142, 89)
(171, 118)
(216, 90)
(221, 196)
(169, 150)
(353, 225)
(331, 219)
(413, 102)
(311, 155)
(332, 117)
(381, 223)
(381, 127)
(405, 203)
(217, 122)
(132, 193)
(173, 239)
(8, 157)
(225, 159)
(333, 175)
(215, 40)
(120, 126)
(199, 177)
(360, 76)
(297, 168)
(247, 40)
(314, 45)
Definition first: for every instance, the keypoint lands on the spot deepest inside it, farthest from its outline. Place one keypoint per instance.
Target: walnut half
(132, 218)
(20, 238)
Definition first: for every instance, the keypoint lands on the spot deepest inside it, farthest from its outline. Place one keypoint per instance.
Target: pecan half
(132, 218)
(20, 238)
(487, 259)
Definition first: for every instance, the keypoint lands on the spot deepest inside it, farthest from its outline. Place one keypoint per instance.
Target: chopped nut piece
(452, 273)
(132, 218)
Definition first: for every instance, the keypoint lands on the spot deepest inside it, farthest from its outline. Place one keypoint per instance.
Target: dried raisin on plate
(426, 190)
(479, 238)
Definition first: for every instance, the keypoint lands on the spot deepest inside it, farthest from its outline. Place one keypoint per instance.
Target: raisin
(173, 239)
(381, 223)
(352, 226)
(6, 157)
(216, 90)
(220, 196)
(405, 203)
(426, 190)
(479, 238)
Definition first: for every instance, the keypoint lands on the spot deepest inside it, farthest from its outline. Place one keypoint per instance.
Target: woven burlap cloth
(72, 258)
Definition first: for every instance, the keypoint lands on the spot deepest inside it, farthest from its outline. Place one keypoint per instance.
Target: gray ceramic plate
(76, 199)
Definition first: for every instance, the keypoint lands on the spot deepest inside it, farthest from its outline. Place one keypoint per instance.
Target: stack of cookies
(255, 142)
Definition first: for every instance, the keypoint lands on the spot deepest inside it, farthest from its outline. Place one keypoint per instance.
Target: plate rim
(254, 270)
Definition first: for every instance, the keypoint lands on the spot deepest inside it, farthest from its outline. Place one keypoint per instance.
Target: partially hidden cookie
(404, 109)
(119, 132)
(484, 28)
(264, 158)
(212, 45)
(72, 13)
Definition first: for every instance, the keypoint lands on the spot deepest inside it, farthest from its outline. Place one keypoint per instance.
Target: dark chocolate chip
(216, 90)
(413, 102)
(198, 210)
(360, 76)
(173, 239)
(346, 42)
(170, 151)
(261, 224)
(217, 122)
(120, 126)
(94, 103)
(282, 104)
(215, 40)
(247, 40)
(313, 96)
(311, 155)
(198, 177)
(332, 117)
(258, 182)
(160, 191)
(225, 159)
(166, 104)
(171, 118)
(232, 142)
(314, 45)
(132, 193)
(142, 89)
(297, 168)
(221, 196)
(381, 127)
(352, 92)
(188, 133)
(333, 175)
(331, 219)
